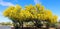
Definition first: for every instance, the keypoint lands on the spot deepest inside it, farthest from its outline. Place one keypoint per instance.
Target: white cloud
(3, 19)
(37, 2)
(6, 3)
(59, 18)
(0, 13)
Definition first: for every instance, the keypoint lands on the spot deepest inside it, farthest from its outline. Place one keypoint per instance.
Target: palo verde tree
(29, 13)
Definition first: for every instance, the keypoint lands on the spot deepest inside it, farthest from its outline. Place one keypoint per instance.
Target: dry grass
(51, 28)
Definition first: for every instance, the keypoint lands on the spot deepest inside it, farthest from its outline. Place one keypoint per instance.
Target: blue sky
(53, 5)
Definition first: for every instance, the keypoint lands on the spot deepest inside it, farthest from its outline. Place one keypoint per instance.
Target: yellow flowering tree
(30, 13)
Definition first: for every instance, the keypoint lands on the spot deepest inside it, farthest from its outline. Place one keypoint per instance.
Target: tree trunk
(22, 24)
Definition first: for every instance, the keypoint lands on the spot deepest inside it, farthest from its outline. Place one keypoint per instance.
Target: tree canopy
(30, 12)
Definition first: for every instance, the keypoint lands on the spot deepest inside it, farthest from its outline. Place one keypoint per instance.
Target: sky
(53, 5)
